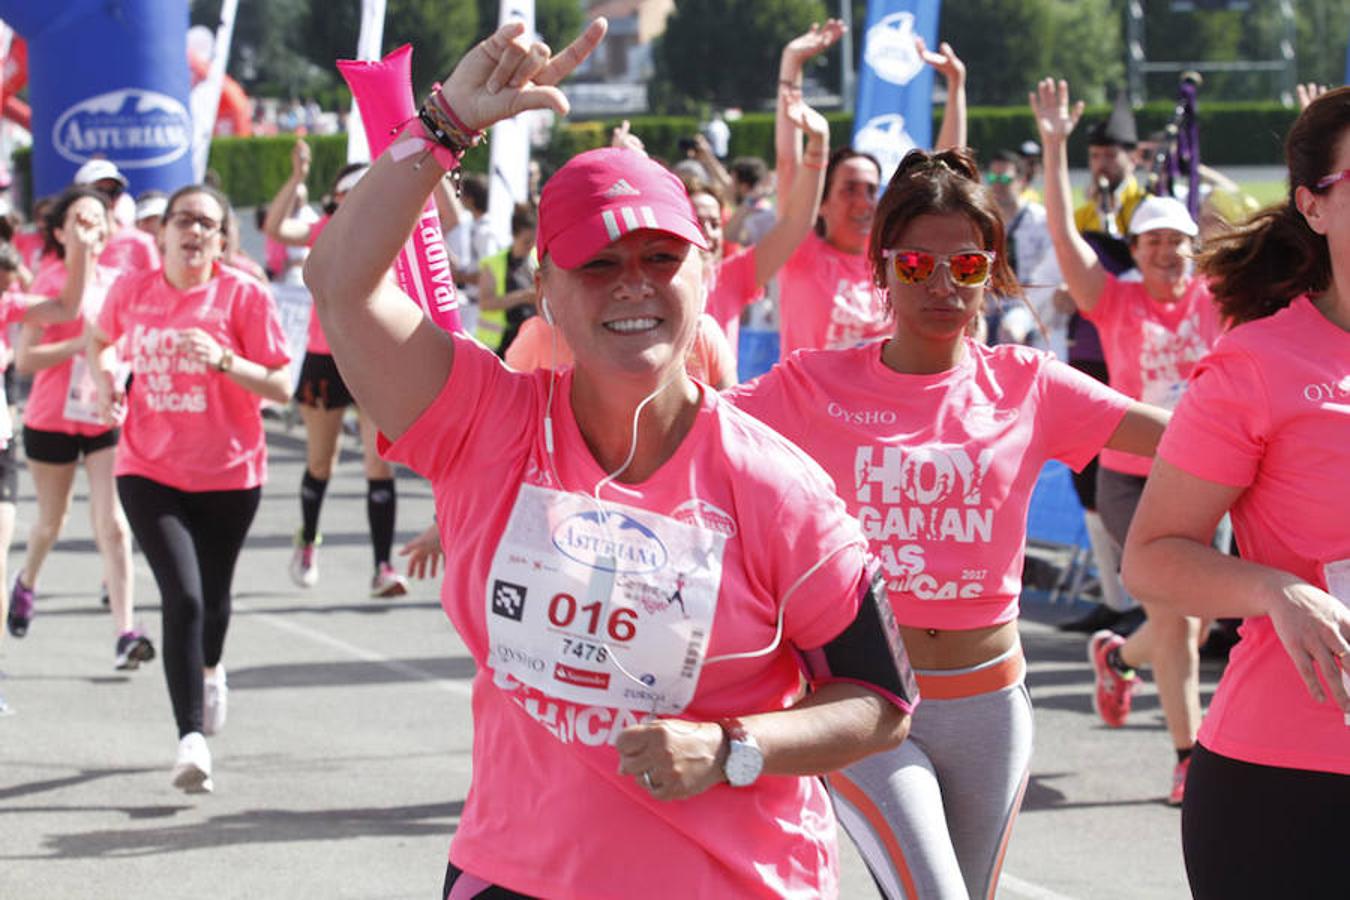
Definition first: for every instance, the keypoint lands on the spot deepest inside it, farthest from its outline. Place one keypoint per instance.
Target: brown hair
(928, 184)
(56, 215)
(1258, 268)
(214, 194)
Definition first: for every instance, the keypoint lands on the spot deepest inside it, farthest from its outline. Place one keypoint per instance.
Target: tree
(1086, 49)
(1006, 45)
(725, 52)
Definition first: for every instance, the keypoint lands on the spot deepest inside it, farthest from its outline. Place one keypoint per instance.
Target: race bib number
(601, 603)
(81, 394)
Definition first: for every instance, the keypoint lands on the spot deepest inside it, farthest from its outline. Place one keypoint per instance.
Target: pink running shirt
(548, 814)
(130, 250)
(827, 300)
(1269, 411)
(45, 409)
(710, 358)
(939, 469)
(1152, 347)
(735, 288)
(317, 342)
(189, 426)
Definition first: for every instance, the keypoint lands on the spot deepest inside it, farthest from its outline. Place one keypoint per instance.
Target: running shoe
(305, 562)
(215, 701)
(133, 648)
(1114, 689)
(1179, 782)
(192, 771)
(387, 582)
(20, 608)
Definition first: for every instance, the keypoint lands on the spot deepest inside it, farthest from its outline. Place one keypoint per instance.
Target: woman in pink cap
(1264, 432)
(1154, 329)
(648, 575)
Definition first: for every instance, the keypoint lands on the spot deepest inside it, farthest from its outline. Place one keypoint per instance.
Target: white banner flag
(509, 170)
(367, 48)
(205, 97)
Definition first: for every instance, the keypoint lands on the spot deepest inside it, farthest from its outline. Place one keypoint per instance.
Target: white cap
(1162, 212)
(151, 206)
(96, 170)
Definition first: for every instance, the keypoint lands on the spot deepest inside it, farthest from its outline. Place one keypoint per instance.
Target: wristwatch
(226, 361)
(745, 761)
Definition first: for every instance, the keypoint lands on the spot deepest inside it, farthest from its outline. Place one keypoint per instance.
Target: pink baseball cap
(602, 195)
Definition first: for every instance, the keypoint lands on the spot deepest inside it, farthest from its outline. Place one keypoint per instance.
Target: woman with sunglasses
(204, 345)
(1264, 432)
(621, 683)
(62, 426)
(826, 296)
(1154, 330)
(935, 442)
(323, 399)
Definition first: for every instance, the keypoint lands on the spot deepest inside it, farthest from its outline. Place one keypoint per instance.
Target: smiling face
(1163, 257)
(631, 309)
(850, 204)
(937, 311)
(192, 238)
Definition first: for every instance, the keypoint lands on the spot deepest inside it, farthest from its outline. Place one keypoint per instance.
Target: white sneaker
(388, 583)
(305, 563)
(192, 771)
(215, 702)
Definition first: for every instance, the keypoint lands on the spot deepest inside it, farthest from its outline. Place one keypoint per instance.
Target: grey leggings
(932, 817)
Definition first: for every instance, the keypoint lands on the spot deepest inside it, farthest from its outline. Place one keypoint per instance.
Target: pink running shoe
(1114, 689)
(1179, 782)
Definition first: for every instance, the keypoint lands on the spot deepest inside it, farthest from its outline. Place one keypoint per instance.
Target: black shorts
(9, 474)
(320, 384)
(58, 448)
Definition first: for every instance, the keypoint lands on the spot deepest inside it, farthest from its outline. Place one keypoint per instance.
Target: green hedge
(251, 169)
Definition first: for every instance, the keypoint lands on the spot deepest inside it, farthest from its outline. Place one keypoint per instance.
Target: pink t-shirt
(710, 358)
(828, 301)
(1269, 411)
(189, 426)
(317, 342)
(130, 250)
(13, 306)
(45, 409)
(548, 814)
(1152, 347)
(30, 246)
(734, 289)
(939, 469)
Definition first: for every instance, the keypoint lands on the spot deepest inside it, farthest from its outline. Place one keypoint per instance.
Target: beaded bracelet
(447, 137)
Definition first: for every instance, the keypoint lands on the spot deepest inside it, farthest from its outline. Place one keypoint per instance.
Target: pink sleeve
(736, 288)
(109, 316)
(717, 360)
(1077, 414)
(467, 426)
(526, 352)
(257, 327)
(1108, 303)
(1219, 429)
(13, 306)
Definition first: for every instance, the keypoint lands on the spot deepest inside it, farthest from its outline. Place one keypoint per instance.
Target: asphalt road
(347, 754)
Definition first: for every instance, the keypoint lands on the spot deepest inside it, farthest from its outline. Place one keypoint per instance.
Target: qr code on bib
(508, 600)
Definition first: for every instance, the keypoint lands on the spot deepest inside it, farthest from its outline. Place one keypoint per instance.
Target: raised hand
(507, 74)
(1309, 92)
(1055, 118)
(814, 42)
(945, 61)
(87, 233)
(807, 120)
(300, 160)
(624, 139)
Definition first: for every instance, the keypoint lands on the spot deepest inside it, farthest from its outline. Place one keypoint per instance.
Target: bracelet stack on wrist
(447, 137)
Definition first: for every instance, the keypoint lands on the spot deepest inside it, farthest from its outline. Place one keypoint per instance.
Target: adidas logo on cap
(622, 188)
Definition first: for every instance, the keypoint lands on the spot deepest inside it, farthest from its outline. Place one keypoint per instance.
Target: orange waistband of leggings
(1006, 672)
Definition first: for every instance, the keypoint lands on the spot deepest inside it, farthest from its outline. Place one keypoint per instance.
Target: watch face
(744, 763)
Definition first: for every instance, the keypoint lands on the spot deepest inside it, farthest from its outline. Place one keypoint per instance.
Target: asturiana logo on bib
(134, 128)
(611, 542)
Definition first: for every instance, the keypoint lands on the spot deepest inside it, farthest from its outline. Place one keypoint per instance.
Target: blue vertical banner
(107, 79)
(894, 109)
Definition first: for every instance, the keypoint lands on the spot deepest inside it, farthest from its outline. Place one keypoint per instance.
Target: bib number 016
(620, 626)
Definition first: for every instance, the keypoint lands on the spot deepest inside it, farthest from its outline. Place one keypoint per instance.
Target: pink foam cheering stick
(383, 92)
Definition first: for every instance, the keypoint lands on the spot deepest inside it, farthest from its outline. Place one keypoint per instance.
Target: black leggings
(483, 892)
(192, 540)
(1263, 831)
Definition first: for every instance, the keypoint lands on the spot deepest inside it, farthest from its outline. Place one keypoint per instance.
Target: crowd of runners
(791, 602)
